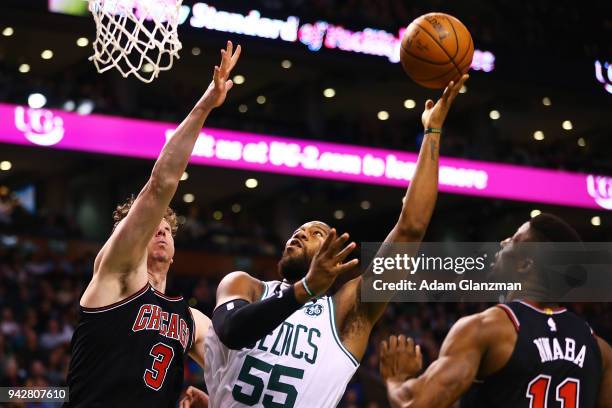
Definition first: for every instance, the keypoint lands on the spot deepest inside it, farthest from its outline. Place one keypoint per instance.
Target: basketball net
(138, 37)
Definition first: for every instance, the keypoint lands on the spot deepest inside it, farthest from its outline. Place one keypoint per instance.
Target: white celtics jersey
(301, 364)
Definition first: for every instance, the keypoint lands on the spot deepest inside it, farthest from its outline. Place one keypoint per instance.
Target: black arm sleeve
(239, 324)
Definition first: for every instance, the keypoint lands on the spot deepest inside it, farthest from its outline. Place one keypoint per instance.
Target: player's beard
(293, 267)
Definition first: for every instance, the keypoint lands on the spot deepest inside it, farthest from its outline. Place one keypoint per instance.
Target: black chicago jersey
(130, 354)
(556, 363)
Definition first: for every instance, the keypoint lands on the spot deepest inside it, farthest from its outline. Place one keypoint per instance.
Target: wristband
(306, 288)
(433, 130)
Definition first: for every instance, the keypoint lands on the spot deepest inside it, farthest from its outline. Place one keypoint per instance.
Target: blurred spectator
(54, 337)
(6, 209)
(8, 326)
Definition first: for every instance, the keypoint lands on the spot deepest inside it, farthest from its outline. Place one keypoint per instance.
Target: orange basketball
(436, 49)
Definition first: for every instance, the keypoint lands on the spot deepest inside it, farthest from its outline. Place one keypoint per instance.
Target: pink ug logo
(603, 73)
(600, 188)
(39, 126)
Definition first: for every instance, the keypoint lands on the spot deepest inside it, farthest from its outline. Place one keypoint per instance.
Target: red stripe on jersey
(164, 296)
(511, 316)
(546, 311)
(116, 304)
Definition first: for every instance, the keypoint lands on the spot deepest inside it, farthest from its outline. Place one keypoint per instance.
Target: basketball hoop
(137, 37)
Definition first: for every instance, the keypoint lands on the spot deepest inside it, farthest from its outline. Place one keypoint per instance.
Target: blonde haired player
(129, 345)
(285, 343)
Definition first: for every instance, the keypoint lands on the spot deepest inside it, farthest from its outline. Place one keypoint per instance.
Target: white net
(138, 37)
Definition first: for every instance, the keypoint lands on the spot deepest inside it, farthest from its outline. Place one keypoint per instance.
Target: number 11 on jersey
(567, 393)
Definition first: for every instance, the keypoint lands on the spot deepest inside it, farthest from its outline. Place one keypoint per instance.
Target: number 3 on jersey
(162, 357)
(274, 384)
(567, 392)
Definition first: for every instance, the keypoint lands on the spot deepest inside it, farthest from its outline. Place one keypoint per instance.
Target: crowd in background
(40, 291)
(469, 135)
(15, 218)
(234, 233)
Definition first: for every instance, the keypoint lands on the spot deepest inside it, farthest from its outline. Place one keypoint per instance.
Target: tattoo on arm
(433, 147)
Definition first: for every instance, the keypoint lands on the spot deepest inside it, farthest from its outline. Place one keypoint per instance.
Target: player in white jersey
(302, 358)
(285, 344)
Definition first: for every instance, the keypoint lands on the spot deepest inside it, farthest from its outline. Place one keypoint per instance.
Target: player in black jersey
(520, 354)
(129, 345)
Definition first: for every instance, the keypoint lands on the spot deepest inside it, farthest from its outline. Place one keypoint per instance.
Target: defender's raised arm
(124, 252)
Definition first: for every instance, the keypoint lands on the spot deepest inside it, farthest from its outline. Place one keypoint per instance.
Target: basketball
(436, 49)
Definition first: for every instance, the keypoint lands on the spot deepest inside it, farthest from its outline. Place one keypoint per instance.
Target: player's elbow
(416, 403)
(410, 394)
(412, 224)
(411, 229)
(407, 403)
(159, 184)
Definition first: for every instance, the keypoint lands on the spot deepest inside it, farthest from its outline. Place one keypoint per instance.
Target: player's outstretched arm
(411, 225)
(421, 195)
(605, 389)
(445, 380)
(126, 247)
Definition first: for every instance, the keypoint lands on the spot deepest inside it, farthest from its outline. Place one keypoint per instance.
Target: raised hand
(328, 263)
(217, 90)
(399, 359)
(435, 114)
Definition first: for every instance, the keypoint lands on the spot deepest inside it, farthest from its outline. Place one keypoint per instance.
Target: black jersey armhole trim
(116, 304)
